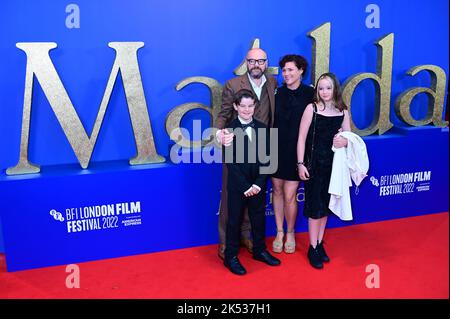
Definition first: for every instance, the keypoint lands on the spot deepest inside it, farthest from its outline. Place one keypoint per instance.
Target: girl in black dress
(320, 123)
(291, 100)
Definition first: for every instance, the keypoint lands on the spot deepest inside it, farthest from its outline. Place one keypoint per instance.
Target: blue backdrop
(185, 39)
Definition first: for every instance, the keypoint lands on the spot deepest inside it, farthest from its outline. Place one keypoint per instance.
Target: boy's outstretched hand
(224, 137)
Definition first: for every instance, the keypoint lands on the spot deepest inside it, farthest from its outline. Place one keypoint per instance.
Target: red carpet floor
(412, 255)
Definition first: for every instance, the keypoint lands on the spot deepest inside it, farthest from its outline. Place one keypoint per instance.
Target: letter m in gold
(40, 65)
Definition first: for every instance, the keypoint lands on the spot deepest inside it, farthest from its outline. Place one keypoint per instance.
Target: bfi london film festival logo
(402, 183)
(100, 217)
(56, 215)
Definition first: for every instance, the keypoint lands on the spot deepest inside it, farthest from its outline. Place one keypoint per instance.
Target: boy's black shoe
(264, 256)
(234, 265)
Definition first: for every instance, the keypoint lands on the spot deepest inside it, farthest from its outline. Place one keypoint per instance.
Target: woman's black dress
(317, 197)
(289, 108)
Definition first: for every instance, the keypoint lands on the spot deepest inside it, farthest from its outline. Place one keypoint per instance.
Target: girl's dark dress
(317, 197)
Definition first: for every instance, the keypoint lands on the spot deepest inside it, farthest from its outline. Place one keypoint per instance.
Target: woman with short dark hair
(291, 100)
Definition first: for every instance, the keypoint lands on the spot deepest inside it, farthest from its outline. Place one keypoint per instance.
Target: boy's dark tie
(251, 124)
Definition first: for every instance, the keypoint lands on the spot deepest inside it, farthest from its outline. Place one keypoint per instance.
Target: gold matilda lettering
(40, 65)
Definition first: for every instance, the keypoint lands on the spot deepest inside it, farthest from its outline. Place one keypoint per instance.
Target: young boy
(246, 185)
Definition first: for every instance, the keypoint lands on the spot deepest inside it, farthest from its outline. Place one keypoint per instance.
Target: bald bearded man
(264, 88)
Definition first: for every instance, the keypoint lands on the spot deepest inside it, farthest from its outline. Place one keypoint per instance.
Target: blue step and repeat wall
(88, 87)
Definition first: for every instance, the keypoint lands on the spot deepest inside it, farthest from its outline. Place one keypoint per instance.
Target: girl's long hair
(337, 94)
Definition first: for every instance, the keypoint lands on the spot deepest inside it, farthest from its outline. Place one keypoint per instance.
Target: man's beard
(256, 75)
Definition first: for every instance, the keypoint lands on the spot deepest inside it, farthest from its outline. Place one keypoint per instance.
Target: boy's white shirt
(248, 130)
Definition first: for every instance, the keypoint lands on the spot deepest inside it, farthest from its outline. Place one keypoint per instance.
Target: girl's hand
(339, 141)
(303, 172)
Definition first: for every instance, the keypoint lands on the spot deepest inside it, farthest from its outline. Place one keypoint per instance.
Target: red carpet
(411, 253)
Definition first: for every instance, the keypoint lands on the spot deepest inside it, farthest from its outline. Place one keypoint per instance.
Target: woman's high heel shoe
(289, 245)
(277, 245)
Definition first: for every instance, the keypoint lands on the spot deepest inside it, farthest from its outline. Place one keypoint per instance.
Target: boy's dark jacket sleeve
(234, 172)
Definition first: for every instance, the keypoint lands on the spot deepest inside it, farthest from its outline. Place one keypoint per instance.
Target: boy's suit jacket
(241, 176)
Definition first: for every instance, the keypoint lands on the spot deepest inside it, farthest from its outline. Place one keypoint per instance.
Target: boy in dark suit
(246, 184)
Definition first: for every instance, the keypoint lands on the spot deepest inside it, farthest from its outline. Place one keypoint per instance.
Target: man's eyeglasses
(259, 61)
